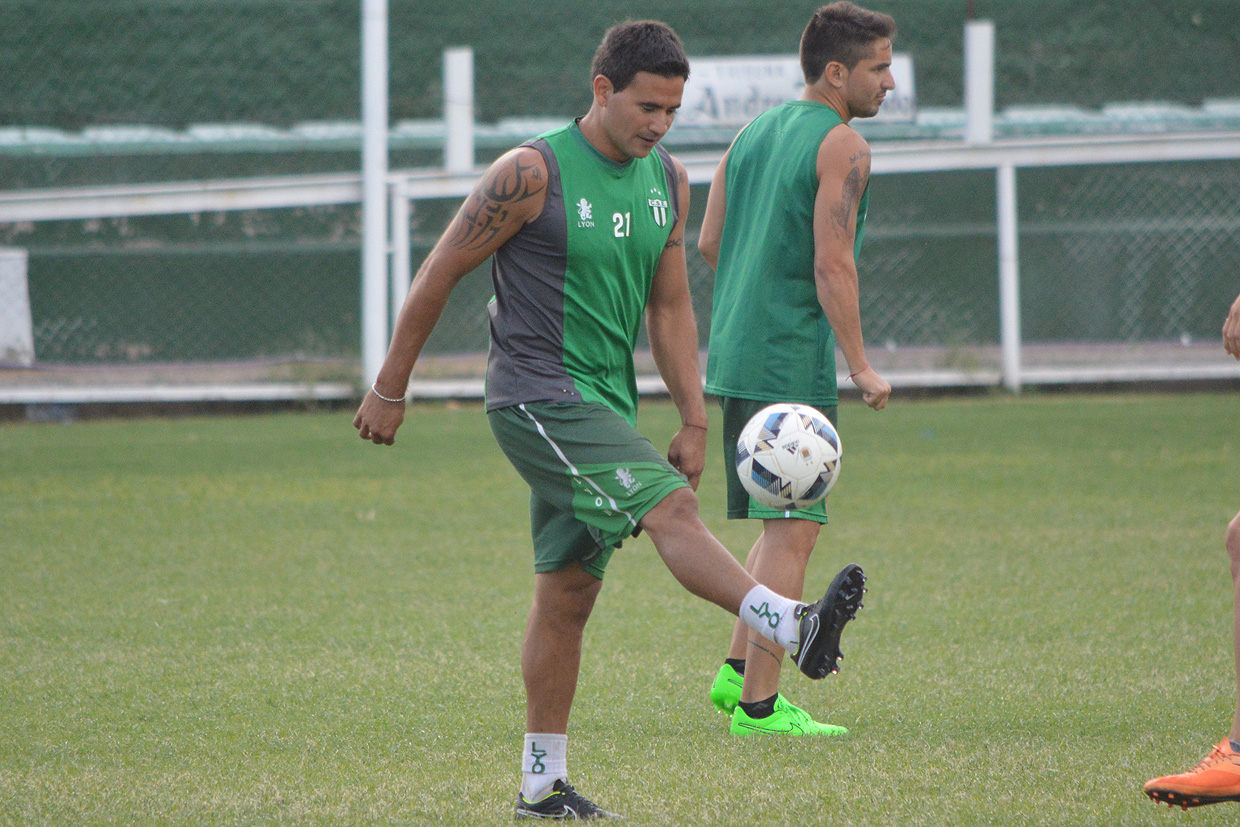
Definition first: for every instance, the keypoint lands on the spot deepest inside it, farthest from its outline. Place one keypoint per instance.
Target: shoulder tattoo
(850, 198)
(488, 210)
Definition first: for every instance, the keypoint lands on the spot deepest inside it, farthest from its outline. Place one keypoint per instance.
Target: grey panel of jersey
(526, 358)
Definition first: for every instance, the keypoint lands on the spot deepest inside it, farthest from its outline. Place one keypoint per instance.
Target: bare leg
(740, 632)
(695, 558)
(1233, 551)
(784, 550)
(551, 651)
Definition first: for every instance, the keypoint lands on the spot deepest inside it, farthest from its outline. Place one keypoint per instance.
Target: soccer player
(782, 229)
(586, 228)
(1217, 777)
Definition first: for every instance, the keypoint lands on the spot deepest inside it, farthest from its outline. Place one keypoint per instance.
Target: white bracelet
(384, 398)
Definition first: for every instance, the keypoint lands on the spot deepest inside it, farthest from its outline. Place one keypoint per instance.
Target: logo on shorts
(626, 478)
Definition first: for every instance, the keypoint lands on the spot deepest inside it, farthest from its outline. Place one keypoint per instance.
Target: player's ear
(835, 73)
(603, 89)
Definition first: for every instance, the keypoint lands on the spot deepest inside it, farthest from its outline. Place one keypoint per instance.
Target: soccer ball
(788, 456)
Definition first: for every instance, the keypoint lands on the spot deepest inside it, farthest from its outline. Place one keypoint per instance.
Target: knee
(566, 599)
(678, 508)
(574, 611)
(805, 537)
(793, 541)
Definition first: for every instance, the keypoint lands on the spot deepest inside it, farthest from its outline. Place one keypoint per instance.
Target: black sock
(736, 663)
(760, 709)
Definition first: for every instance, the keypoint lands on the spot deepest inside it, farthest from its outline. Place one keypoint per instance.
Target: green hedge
(75, 63)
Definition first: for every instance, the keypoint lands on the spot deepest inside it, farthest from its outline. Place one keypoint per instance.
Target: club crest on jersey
(659, 207)
(585, 213)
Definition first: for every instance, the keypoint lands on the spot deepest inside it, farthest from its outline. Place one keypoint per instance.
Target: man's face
(637, 117)
(869, 81)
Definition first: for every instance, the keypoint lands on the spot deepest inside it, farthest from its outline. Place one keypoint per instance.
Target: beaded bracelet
(385, 398)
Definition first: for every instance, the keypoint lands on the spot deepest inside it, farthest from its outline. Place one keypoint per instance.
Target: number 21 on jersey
(623, 223)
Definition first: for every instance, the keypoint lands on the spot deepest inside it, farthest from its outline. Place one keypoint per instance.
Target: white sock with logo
(772, 616)
(545, 759)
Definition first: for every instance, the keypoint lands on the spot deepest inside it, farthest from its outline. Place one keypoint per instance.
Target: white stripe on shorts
(572, 469)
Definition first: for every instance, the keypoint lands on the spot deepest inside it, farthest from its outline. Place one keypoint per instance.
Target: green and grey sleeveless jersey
(769, 337)
(571, 286)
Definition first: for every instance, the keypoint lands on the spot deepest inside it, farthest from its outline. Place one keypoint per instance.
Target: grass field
(264, 620)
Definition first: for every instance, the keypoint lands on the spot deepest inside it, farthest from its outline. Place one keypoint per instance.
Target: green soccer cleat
(785, 720)
(725, 692)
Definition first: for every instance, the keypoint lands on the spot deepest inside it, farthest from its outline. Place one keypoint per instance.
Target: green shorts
(736, 413)
(592, 478)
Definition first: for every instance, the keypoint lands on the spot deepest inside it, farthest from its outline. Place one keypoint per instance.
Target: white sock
(772, 616)
(545, 759)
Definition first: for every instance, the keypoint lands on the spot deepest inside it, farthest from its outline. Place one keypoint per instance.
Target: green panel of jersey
(769, 337)
(572, 286)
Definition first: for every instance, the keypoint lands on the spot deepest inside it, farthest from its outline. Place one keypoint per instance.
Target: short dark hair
(841, 32)
(639, 46)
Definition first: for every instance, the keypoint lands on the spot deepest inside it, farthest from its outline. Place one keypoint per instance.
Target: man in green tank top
(783, 227)
(586, 226)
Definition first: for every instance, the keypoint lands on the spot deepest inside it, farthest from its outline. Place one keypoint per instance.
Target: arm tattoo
(850, 197)
(682, 181)
(489, 208)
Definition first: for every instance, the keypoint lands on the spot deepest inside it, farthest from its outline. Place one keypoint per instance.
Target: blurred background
(1128, 262)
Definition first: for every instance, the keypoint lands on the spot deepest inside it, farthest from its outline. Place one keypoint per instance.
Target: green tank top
(571, 287)
(769, 337)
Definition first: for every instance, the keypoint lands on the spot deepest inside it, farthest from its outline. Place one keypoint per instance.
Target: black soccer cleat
(822, 623)
(562, 802)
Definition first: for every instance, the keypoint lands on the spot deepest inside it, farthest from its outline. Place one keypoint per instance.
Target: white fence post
(1009, 276)
(401, 254)
(374, 187)
(458, 109)
(16, 330)
(979, 81)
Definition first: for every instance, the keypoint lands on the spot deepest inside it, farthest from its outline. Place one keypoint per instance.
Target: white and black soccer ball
(788, 456)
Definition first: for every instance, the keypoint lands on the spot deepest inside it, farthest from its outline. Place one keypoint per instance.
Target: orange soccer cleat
(1215, 779)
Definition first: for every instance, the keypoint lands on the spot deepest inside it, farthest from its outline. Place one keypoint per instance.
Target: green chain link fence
(127, 91)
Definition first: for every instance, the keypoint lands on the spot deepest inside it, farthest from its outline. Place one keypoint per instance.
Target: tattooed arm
(843, 175)
(509, 195)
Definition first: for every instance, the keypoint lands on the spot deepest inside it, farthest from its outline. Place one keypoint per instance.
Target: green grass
(266, 620)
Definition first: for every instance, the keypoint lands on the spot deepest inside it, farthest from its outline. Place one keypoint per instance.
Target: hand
(687, 453)
(1231, 330)
(874, 389)
(378, 420)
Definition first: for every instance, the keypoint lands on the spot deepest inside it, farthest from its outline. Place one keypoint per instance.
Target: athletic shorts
(592, 478)
(736, 413)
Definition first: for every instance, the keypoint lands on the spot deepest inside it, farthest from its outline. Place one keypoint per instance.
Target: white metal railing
(1005, 157)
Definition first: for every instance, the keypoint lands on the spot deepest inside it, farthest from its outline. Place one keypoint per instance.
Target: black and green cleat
(562, 802)
(822, 623)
